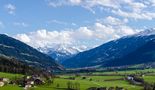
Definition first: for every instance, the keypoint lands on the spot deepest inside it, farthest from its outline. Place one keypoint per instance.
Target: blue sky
(38, 14)
(76, 23)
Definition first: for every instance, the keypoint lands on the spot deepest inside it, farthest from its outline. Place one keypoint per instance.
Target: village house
(4, 81)
(31, 81)
(134, 80)
(129, 78)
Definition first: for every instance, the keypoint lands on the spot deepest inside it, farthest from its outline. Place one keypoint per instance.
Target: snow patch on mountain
(62, 52)
(146, 32)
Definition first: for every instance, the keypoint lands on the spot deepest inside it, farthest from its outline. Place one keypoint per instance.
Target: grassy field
(98, 81)
(60, 83)
(11, 87)
(150, 79)
(10, 76)
(126, 72)
(84, 84)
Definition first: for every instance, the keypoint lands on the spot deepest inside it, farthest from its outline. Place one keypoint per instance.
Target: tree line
(13, 65)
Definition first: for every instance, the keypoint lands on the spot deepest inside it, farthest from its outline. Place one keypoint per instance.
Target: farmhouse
(135, 80)
(33, 80)
(4, 81)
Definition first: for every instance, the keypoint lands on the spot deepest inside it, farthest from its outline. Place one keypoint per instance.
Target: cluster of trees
(73, 86)
(148, 86)
(12, 65)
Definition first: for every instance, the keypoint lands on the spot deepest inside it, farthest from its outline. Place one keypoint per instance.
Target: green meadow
(9, 75)
(60, 82)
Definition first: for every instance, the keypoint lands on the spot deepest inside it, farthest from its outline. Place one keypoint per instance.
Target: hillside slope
(12, 65)
(144, 54)
(114, 50)
(14, 48)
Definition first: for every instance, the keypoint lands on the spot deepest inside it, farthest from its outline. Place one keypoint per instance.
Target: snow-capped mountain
(146, 32)
(115, 53)
(62, 52)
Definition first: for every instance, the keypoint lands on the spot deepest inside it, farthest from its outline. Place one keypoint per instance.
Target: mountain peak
(61, 52)
(147, 32)
(109, 52)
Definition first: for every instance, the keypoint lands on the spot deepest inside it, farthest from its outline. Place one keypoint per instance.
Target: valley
(77, 44)
(115, 65)
(87, 80)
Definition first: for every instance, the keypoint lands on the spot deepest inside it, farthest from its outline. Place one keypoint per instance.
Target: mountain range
(128, 50)
(11, 47)
(61, 52)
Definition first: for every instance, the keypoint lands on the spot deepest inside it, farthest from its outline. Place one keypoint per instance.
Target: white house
(6, 80)
(2, 83)
(130, 78)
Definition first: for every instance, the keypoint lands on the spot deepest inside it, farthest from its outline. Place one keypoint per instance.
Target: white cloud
(87, 4)
(151, 2)
(1, 24)
(24, 38)
(10, 8)
(105, 3)
(91, 36)
(73, 24)
(21, 24)
(82, 33)
(53, 4)
(76, 2)
(136, 15)
(134, 9)
(43, 38)
(50, 22)
(57, 22)
(108, 32)
(112, 21)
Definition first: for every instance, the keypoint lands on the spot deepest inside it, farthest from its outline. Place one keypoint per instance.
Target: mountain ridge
(61, 52)
(14, 48)
(109, 51)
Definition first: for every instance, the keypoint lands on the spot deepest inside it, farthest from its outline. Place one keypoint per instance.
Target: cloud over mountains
(135, 9)
(90, 36)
